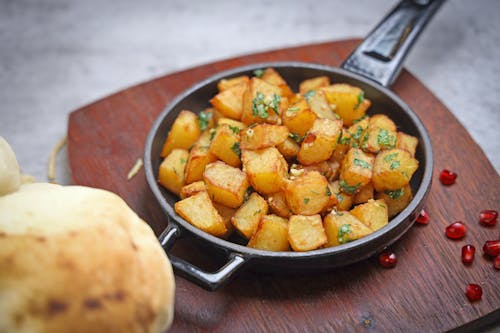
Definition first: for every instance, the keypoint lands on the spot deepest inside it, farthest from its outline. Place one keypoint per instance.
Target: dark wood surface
(424, 293)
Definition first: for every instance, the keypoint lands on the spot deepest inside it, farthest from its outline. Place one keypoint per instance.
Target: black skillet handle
(380, 56)
(209, 281)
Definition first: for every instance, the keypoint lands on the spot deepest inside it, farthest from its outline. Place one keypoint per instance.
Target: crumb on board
(135, 169)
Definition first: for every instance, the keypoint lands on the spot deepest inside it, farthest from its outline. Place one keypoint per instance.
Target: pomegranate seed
(447, 177)
(474, 292)
(423, 217)
(492, 248)
(488, 217)
(387, 259)
(456, 230)
(496, 262)
(468, 252)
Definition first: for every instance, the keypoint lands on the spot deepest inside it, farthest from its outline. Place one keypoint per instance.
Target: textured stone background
(58, 55)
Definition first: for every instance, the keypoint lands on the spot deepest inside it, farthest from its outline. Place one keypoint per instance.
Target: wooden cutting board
(424, 293)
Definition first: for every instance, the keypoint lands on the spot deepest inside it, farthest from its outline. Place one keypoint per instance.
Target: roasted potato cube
(226, 144)
(289, 148)
(192, 189)
(320, 141)
(313, 84)
(365, 193)
(396, 200)
(373, 214)
(234, 81)
(356, 171)
(308, 193)
(277, 204)
(299, 118)
(306, 233)
(235, 125)
(229, 102)
(200, 212)
(342, 227)
(344, 200)
(382, 121)
(393, 169)
(262, 103)
(226, 213)
(247, 217)
(343, 146)
(350, 103)
(324, 168)
(319, 104)
(263, 136)
(266, 169)
(199, 156)
(375, 139)
(356, 131)
(406, 142)
(271, 76)
(184, 132)
(171, 174)
(225, 184)
(271, 234)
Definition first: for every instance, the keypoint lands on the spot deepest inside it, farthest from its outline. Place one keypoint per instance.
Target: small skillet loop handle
(380, 56)
(207, 280)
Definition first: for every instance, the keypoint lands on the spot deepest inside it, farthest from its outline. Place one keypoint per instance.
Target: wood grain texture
(424, 293)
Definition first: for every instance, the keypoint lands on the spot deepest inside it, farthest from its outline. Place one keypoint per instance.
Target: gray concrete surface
(57, 55)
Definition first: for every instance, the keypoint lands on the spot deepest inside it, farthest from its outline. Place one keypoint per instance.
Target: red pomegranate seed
(423, 217)
(492, 248)
(496, 262)
(456, 230)
(387, 259)
(488, 217)
(468, 252)
(474, 292)
(447, 177)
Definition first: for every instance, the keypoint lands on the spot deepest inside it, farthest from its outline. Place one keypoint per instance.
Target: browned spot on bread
(145, 315)
(73, 233)
(56, 307)
(134, 246)
(2, 234)
(40, 239)
(92, 303)
(18, 319)
(118, 296)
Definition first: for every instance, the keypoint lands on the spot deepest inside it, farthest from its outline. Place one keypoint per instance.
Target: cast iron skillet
(373, 66)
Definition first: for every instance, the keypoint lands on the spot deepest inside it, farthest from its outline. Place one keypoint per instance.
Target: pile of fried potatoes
(288, 170)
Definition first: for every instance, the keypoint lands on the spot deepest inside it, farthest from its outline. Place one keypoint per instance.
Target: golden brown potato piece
(350, 103)
(200, 212)
(192, 189)
(184, 132)
(320, 141)
(373, 214)
(226, 144)
(234, 81)
(247, 217)
(171, 174)
(342, 227)
(263, 136)
(382, 121)
(393, 169)
(365, 193)
(271, 234)
(396, 200)
(356, 171)
(298, 118)
(313, 84)
(235, 125)
(199, 156)
(343, 146)
(356, 131)
(308, 193)
(289, 148)
(375, 139)
(229, 102)
(319, 104)
(344, 200)
(306, 233)
(226, 213)
(271, 76)
(407, 142)
(277, 204)
(262, 103)
(225, 184)
(266, 169)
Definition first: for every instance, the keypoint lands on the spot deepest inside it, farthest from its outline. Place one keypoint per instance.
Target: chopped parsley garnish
(291, 110)
(306, 201)
(361, 98)
(204, 119)
(256, 212)
(345, 140)
(343, 233)
(394, 165)
(235, 129)
(275, 104)
(309, 94)
(236, 148)
(386, 139)
(358, 132)
(295, 137)
(349, 189)
(339, 196)
(183, 160)
(355, 121)
(390, 157)
(328, 192)
(212, 134)
(395, 194)
(362, 163)
(260, 106)
(258, 72)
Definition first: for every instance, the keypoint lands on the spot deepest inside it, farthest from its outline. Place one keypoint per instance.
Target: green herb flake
(258, 73)
(339, 196)
(295, 137)
(256, 212)
(183, 160)
(292, 110)
(259, 106)
(395, 194)
(309, 94)
(390, 157)
(362, 163)
(394, 165)
(306, 201)
(235, 129)
(361, 98)
(345, 140)
(349, 189)
(357, 134)
(343, 233)
(355, 121)
(275, 103)
(236, 148)
(204, 119)
(328, 191)
(385, 139)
